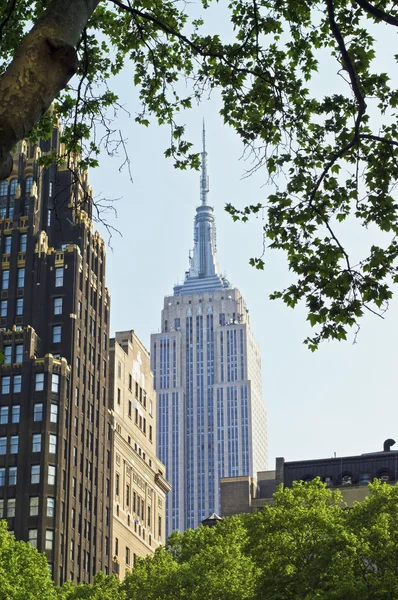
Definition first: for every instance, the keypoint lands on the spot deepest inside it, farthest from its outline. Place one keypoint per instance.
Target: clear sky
(343, 398)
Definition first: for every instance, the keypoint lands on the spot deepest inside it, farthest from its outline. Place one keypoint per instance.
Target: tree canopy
(329, 152)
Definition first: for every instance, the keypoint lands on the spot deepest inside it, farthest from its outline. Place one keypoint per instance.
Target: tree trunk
(42, 66)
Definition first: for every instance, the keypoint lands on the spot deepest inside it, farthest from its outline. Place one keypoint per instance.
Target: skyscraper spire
(204, 180)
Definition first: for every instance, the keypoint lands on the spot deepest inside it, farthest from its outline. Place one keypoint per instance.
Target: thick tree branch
(349, 67)
(377, 13)
(42, 66)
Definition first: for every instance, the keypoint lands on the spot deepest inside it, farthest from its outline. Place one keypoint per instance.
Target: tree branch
(42, 66)
(377, 13)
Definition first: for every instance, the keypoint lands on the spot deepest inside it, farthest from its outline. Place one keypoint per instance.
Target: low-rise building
(351, 474)
(139, 482)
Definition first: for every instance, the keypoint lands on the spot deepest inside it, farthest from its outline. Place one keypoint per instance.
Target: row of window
(5, 278)
(13, 445)
(34, 475)
(52, 440)
(23, 240)
(8, 354)
(16, 381)
(34, 504)
(18, 307)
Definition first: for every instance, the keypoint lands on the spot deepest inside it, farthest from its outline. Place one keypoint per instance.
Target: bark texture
(42, 66)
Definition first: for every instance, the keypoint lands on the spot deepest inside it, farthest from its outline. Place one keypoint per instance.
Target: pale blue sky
(340, 399)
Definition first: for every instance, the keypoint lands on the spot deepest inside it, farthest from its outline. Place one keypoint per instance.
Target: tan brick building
(139, 484)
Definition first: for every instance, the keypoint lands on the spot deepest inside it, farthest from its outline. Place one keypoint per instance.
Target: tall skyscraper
(207, 374)
(55, 437)
(140, 486)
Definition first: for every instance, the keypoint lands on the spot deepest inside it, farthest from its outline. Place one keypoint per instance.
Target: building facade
(207, 375)
(139, 482)
(350, 474)
(55, 438)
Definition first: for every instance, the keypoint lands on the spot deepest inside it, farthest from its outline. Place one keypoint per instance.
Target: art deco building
(55, 440)
(139, 483)
(207, 374)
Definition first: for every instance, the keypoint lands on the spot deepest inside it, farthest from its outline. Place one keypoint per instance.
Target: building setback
(55, 437)
(139, 484)
(207, 375)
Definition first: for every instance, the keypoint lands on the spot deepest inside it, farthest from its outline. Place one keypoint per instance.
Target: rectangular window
(49, 539)
(36, 442)
(35, 474)
(52, 446)
(11, 507)
(1, 509)
(51, 474)
(39, 382)
(17, 385)
(19, 306)
(127, 495)
(14, 444)
(20, 277)
(33, 506)
(57, 333)
(3, 308)
(127, 555)
(33, 537)
(50, 507)
(3, 414)
(54, 413)
(19, 353)
(57, 306)
(2, 476)
(7, 355)
(55, 383)
(59, 277)
(5, 385)
(15, 410)
(22, 242)
(49, 217)
(5, 278)
(12, 476)
(37, 412)
(3, 445)
(7, 244)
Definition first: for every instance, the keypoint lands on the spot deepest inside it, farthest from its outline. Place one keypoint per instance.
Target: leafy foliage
(330, 155)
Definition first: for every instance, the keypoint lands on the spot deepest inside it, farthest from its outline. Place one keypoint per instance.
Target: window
(57, 330)
(72, 549)
(17, 386)
(57, 306)
(127, 495)
(5, 385)
(7, 244)
(149, 516)
(54, 413)
(74, 487)
(51, 474)
(52, 446)
(1, 509)
(55, 383)
(127, 555)
(3, 415)
(20, 277)
(16, 409)
(36, 442)
(49, 539)
(33, 506)
(11, 507)
(116, 546)
(150, 433)
(160, 526)
(28, 185)
(3, 445)
(73, 518)
(117, 481)
(14, 444)
(19, 306)
(3, 308)
(39, 382)
(5, 278)
(59, 277)
(4, 188)
(22, 242)
(2, 476)
(118, 396)
(50, 507)
(18, 353)
(12, 476)
(33, 537)
(7, 355)
(37, 412)
(35, 474)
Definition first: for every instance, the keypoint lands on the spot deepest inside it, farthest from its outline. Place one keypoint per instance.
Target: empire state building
(207, 373)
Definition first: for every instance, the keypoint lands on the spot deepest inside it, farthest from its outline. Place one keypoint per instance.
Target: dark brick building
(55, 441)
